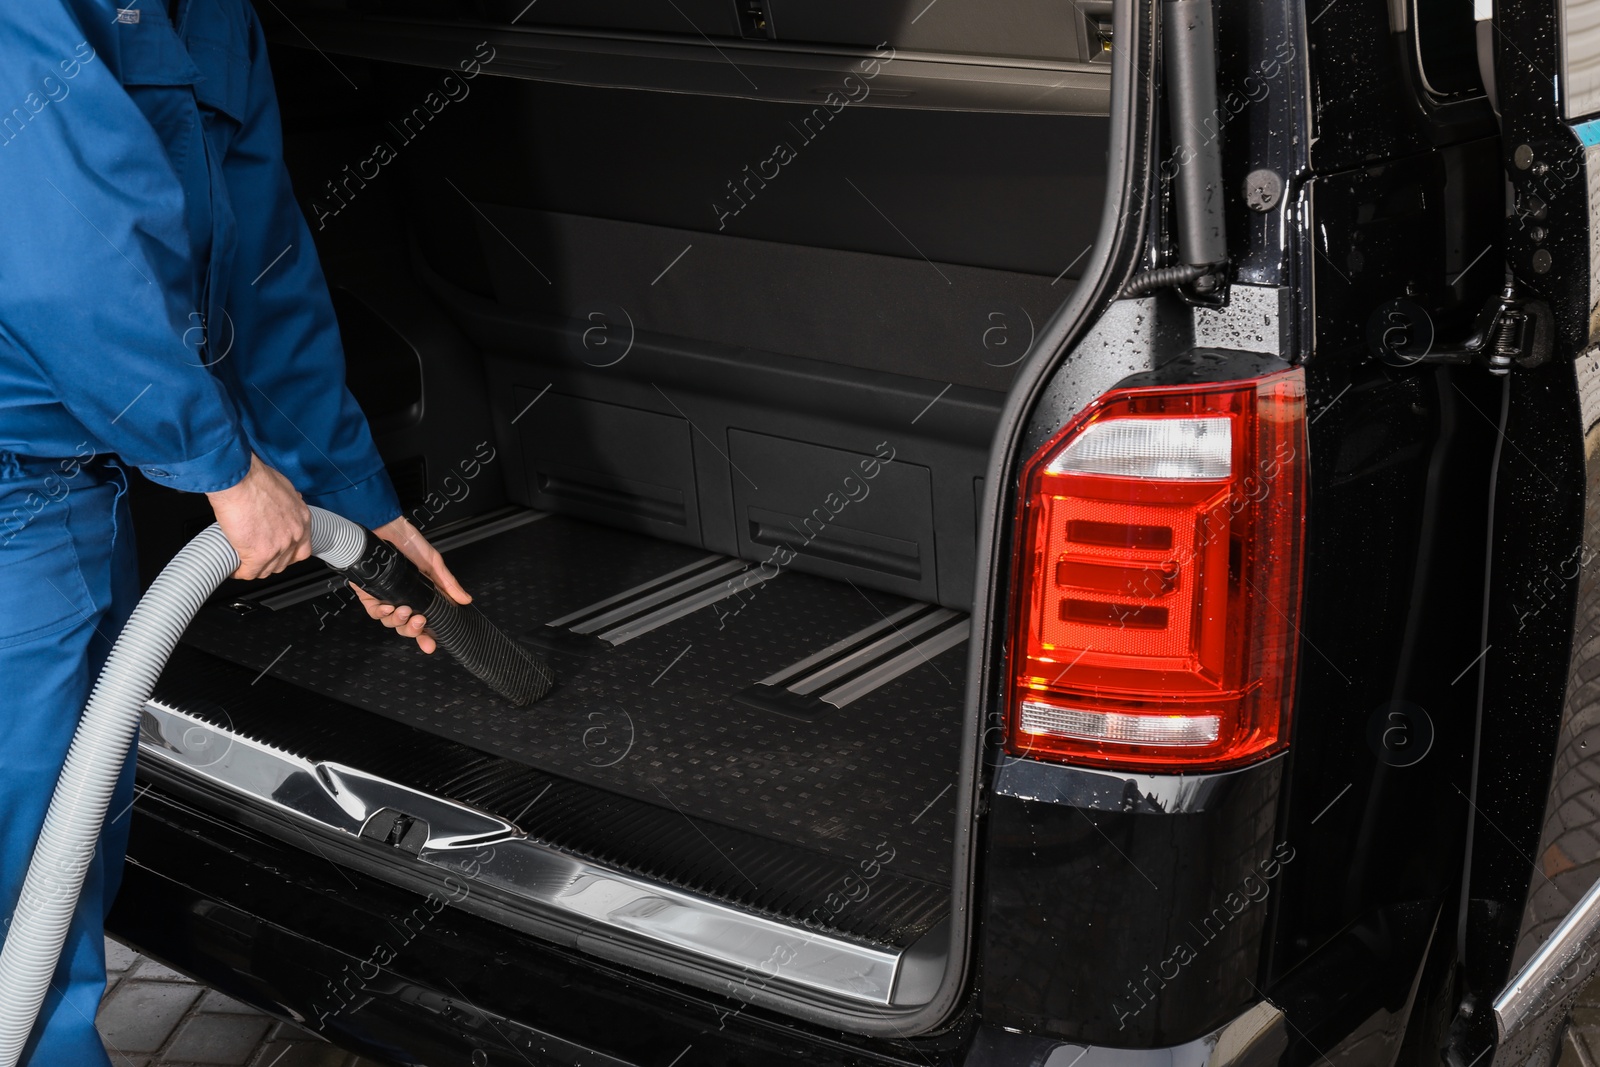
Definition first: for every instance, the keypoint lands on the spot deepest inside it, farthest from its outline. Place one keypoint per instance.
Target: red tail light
(1160, 579)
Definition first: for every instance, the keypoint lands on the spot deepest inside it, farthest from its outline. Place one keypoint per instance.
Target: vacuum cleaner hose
(77, 810)
(460, 629)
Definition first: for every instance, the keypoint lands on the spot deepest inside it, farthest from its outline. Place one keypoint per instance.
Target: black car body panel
(1344, 896)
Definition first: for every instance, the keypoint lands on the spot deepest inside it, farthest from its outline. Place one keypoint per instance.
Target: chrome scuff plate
(487, 849)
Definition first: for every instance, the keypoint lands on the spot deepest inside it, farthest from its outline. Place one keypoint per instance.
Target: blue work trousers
(68, 581)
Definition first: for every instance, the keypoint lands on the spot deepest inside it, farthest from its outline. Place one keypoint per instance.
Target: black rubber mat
(655, 718)
(782, 881)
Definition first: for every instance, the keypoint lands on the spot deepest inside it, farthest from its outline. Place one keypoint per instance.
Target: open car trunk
(815, 720)
(695, 388)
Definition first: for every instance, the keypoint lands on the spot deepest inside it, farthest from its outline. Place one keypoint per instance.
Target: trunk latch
(390, 826)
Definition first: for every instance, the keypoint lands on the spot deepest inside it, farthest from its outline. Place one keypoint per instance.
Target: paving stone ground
(155, 1017)
(1583, 1036)
(1582, 1047)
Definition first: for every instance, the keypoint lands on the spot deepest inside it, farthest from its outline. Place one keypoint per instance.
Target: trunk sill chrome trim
(342, 799)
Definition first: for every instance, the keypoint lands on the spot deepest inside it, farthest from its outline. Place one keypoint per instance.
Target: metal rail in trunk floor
(661, 653)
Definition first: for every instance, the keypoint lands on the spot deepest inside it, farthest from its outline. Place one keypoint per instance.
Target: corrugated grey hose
(77, 810)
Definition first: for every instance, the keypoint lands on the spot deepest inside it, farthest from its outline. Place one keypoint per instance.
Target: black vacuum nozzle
(460, 629)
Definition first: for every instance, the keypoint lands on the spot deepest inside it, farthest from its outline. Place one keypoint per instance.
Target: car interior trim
(462, 840)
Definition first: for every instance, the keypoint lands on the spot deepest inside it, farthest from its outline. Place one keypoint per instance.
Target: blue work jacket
(160, 297)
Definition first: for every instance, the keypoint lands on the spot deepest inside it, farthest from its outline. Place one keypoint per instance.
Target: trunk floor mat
(668, 716)
(876, 903)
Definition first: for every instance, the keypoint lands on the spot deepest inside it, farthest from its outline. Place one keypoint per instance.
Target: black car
(1062, 528)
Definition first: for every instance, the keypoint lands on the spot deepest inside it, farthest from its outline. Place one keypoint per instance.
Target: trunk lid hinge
(1510, 331)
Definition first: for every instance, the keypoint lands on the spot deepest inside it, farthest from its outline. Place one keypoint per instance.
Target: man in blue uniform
(146, 205)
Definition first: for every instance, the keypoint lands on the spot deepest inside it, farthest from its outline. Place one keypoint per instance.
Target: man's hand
(265, 521)
(403, 619)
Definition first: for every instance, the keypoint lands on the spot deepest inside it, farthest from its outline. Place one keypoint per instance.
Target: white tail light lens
(1185, 449)
(1049, 720)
